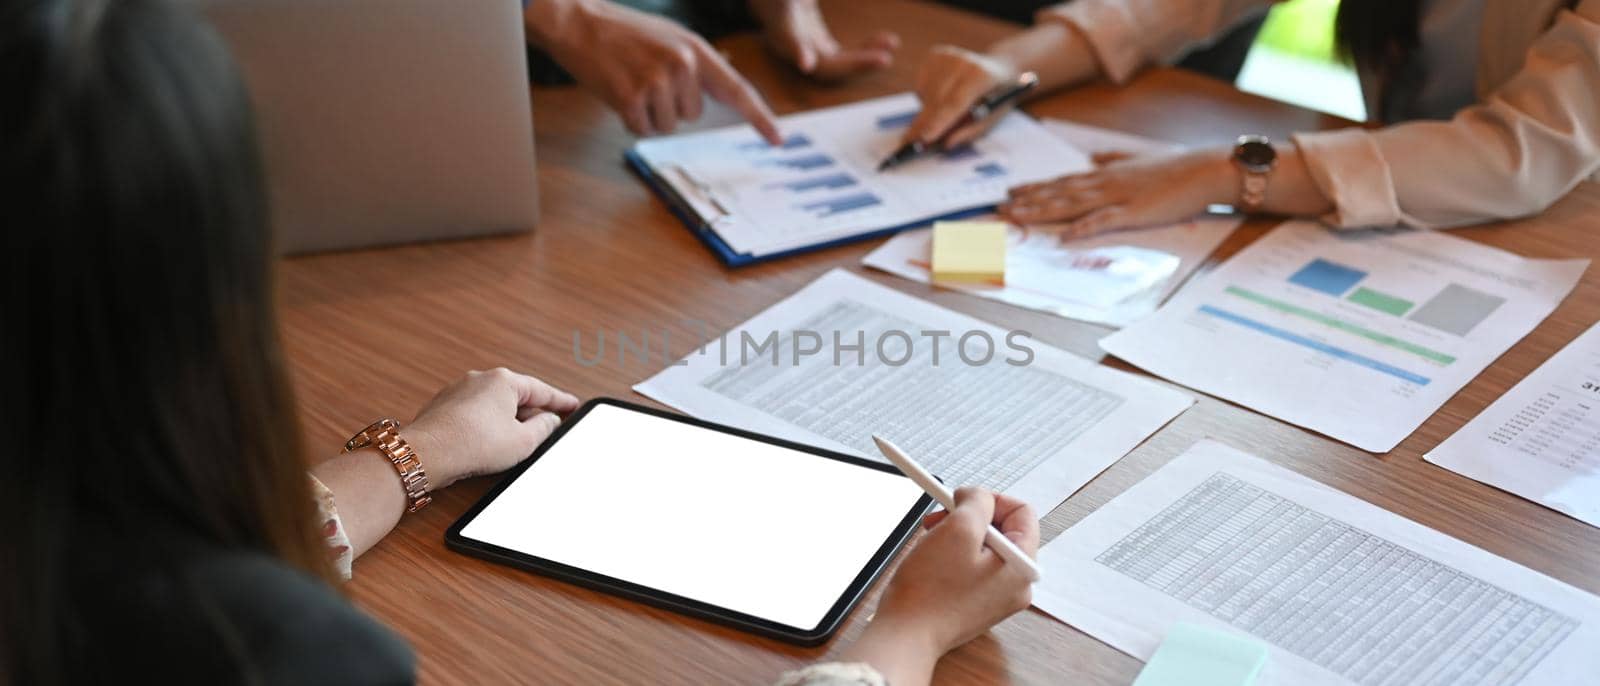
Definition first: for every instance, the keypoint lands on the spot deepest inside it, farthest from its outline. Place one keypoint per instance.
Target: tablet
(766, 535)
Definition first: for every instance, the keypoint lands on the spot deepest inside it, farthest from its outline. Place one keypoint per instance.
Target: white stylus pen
(996, 541)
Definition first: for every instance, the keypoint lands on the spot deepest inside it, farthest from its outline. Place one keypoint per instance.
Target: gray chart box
(1457, 309)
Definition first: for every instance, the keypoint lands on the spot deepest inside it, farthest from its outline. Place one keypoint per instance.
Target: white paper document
(1359, 336)
(1341, 591)
(1115, 278)
(822, 183)
(976, 404)
(1541, 440)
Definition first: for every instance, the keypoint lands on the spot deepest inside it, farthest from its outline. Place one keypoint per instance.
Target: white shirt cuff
(1348, 167)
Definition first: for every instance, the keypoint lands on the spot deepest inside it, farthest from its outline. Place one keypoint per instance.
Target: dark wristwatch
(1256, 159)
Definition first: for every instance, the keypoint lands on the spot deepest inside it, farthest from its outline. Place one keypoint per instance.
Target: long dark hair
(1378, 35)
(141, 373)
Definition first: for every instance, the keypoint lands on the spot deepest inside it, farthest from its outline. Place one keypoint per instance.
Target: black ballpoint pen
(994, 100)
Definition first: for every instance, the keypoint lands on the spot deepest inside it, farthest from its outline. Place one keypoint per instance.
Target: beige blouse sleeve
(1529, 143)
(834, 674)
(1129, 35)
(339, 550)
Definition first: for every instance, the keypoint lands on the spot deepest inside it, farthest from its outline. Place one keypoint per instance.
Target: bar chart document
(1360, 336)
(1542, 439)
(955, 392)
(822, 183)
(1341, 591)
(1114, 278)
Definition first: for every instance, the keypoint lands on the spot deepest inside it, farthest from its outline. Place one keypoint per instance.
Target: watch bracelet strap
(1255, 171)
(384, 436)
(1252, 190)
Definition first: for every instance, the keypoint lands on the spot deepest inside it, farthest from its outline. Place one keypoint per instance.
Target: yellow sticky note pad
(969, 252)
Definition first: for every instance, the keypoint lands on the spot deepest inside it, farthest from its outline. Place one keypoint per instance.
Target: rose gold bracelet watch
(384, 436)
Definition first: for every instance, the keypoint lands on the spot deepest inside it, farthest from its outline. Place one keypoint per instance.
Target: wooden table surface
(374, 333)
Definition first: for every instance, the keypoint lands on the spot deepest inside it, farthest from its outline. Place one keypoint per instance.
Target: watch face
(1255, 154)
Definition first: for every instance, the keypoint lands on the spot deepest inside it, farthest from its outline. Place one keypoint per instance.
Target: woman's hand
(796, 31)
(1128, 193)
(484, 423)
(948, 83)
(953, 586)
(651, 70)
(950, 588)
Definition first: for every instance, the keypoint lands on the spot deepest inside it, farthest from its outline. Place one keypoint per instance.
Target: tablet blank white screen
(739, 524)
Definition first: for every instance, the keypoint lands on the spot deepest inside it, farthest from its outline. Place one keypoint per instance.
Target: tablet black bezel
(808, 637)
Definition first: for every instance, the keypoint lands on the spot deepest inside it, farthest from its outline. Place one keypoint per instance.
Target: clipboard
(731, 258)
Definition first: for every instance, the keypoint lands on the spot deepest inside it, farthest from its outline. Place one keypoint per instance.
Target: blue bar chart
(897, 120)
(826, 182)
(989, 170)
(840, 205)
(793, 142)
(801, 163)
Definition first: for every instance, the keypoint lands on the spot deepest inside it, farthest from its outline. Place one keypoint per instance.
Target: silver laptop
(387, 121)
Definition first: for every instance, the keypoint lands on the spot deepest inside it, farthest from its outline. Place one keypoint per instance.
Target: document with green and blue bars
(1358, 335)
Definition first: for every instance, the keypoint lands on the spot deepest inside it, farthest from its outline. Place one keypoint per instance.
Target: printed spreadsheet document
(1341, 591)
(1038, 431)
(1541, 440)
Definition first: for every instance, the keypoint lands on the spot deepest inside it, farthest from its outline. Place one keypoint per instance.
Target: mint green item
(1381, 302)
(1193, 655)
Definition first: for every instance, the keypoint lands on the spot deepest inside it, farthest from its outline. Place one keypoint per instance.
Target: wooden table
(374, 333)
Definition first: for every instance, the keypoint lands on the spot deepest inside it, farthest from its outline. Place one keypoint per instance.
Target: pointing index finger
(722, 82)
